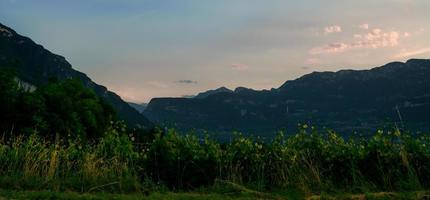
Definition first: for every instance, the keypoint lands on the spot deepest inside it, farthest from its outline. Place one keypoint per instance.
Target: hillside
(140, 107)
(396, 94)
(35, 65)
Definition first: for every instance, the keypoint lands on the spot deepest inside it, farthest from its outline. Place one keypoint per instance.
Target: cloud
(330, 48)
(412, 53)
(239, 67)
(378, 38)
(186, 81)
(364, 26)
(375, 38)
(333, 29)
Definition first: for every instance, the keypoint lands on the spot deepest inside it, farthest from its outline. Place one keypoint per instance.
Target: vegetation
(62, 137)
(308, 162)
(37, 195)
(60, 107)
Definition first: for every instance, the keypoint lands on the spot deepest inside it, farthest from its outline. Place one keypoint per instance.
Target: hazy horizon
(156, 48)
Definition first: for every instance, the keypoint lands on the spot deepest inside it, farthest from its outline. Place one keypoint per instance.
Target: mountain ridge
(212, 92)
(347, 100)
(36, 65)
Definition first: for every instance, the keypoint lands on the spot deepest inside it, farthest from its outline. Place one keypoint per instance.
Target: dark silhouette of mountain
(188, 96)
(36, 65)
(140, 107)
(396, 94)
(211, 92)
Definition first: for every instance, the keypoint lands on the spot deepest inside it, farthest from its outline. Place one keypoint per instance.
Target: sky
(143, 49)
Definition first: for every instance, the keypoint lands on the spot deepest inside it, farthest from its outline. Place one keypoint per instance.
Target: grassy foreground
(388, 165)
(101, 196)
(33, 195)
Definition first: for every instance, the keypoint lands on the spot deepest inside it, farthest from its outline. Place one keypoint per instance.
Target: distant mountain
(35, 65)
(396, 94)
(138, 106)
(211, 92)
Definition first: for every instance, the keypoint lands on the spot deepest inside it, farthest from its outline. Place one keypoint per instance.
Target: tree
(8, 96)
(72, 109)
(65, 107)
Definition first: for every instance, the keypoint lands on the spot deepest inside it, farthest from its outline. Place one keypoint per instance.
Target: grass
(39, 195)
(390, 164)
(417, 195)
(75, 196)
(133, 196)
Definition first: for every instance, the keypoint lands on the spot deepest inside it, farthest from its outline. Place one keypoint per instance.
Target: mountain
(35, 65)
(396, 94)
(140, 107)
(211, 92)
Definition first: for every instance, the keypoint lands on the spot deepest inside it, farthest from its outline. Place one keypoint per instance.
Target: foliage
(60, 107)
(73, 109)
(37, 163)
(310, 161)
(388, 161)
(8, 96)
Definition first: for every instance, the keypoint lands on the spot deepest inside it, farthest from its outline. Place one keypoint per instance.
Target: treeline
(64, 108)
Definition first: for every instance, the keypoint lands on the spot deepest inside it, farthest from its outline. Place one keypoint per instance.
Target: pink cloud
(333, 29)
(330, 48)
(375, 38)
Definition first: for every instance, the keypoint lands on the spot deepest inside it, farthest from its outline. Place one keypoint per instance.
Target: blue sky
(157, 48)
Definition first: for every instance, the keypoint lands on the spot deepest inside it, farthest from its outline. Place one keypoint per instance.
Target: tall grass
(35, 163)
(309, 160)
